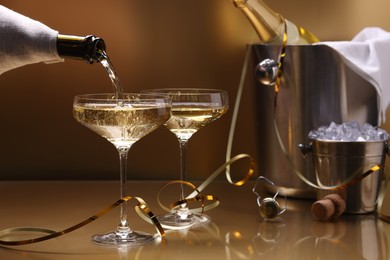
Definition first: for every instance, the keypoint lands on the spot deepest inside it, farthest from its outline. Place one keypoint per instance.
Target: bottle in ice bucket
(90, 48)
(269, 25)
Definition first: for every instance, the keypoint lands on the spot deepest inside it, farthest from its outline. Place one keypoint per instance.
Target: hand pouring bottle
(26, 41)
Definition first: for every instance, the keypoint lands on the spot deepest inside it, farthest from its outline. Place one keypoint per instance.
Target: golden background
(152, 44)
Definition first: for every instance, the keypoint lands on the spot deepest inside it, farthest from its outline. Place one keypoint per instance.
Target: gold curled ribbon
(196, 195)
(282, 55)
(197, 198)
(353, 179)
(141, 208)
(228, 175)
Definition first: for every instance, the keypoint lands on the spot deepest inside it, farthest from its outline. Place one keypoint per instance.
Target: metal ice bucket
(317, 88)
(337, 163)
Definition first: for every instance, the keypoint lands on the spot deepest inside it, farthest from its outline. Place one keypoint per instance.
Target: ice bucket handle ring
(266, 72)
(305, 149)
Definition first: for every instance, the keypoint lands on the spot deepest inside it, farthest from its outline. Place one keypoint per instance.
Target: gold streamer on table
(141, 208)
(197, 197)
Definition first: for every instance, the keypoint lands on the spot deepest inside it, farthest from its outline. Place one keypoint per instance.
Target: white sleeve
(25, 41)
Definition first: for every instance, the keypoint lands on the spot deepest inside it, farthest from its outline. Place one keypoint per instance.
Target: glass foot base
(177, 220)
(133, 238)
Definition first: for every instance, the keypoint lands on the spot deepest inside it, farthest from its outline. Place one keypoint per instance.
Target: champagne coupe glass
(122, 121)
(192, 109)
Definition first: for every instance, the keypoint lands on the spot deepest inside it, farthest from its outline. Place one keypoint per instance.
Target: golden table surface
(236, 232)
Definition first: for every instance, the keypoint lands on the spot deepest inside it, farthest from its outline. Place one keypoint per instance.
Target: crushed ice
(349, 132)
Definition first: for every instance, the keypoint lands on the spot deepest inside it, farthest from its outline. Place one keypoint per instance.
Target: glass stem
(183, 164)
(123, 225)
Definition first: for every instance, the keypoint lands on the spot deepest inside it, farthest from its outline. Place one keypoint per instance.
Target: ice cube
(349, 131)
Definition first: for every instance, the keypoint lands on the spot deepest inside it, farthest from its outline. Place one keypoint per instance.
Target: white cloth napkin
(368, 54)
(25, 41)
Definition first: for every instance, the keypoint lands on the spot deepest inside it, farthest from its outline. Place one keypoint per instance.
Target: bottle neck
(270, 25)
(90, 48)
(267, 23)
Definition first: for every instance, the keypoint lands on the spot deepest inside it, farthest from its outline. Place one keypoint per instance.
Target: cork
(338, 202)
(328, 208)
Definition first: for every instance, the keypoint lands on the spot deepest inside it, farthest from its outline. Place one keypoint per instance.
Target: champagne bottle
(26, 41)
(270, 26)
(90, 48)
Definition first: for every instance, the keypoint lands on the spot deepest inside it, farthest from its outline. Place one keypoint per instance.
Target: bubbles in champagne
(121, 125)
(185, 121)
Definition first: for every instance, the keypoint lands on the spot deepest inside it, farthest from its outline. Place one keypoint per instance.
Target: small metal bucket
(335, 162)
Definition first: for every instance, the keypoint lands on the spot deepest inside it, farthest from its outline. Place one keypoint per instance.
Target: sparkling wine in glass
(122, 121)
(192, 109)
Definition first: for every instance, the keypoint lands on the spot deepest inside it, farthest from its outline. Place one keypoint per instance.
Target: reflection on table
(236, 232)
